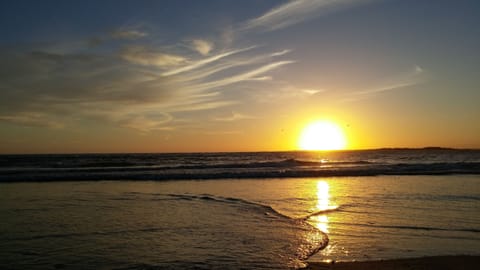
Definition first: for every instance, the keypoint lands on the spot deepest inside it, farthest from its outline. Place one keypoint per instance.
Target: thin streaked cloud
(414, 76)
(234, 116)
(146, 122)
(250, 75)
(295, 12)
(226, 132)
(145, 83)
(128, 34)
(280, 53)
(154, 82)
(201, 106)
(148, 57)
(203, 62)
(31, 119)
(231, 64)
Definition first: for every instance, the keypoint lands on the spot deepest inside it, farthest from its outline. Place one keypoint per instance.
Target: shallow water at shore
(460, 262)
(256, 223)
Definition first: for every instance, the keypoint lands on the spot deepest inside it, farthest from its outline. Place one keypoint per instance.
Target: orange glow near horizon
(323, 136)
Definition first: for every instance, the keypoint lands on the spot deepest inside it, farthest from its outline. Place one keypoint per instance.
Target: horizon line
(432, 148)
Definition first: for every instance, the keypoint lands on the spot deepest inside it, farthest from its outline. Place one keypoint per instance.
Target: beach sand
(427, 263)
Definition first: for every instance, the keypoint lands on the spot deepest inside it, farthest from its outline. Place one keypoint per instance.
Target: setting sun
(322, 135)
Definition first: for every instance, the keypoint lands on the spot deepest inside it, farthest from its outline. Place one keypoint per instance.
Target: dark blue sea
(237, 165)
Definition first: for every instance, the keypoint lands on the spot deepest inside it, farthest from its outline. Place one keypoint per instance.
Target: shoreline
(424, 263)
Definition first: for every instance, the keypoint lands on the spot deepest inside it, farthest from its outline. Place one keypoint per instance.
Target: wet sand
(427, 263)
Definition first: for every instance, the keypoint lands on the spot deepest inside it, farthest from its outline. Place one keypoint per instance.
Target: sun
(322, 136)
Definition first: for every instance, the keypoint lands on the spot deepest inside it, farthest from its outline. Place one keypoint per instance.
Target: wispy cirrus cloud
(294, 12)
(202, 46)
(204, 61)
(280, 53)
(147, 122)
(31, 119)
(411, 77)
(128, 34)
(143, 84)
(226, 132)
(144, 56)
(138, 87)
(251, 75)
(234, 116)
(231, 64)
(286, 92)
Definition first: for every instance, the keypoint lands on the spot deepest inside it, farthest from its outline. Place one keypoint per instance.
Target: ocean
(266, 210)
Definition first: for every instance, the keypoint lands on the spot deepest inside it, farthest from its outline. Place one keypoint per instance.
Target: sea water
(235, 223)
(430, 161)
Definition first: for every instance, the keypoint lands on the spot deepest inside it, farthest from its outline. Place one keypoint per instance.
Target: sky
(192, 76)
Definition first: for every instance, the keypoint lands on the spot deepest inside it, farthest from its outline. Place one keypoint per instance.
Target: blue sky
(236, 75)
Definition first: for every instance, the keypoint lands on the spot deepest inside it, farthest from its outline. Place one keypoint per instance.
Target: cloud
(134, 88)
(31, 119)
(250, 75)
(201, 106)
(294, 12)
(37, 87)
(147, 122)
(202, 46)
(119, 34)
(418, 70)
(311, 91)
(143, 56)
(412, 77)
(282, 92)
(233, 117)
(280, 53)
(203, 62)
(128, 34)
(234, 63)
(142, 86)
(387, 87)
(226, 132)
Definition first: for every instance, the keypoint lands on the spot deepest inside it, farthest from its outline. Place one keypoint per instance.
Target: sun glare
(322, 135)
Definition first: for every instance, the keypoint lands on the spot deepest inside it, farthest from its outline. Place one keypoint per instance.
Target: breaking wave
(235, 165)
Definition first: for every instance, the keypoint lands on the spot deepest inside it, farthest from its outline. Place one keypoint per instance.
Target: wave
(411, 227)
(322, 212)
(236, 165)
(302, 254)
(282, 169)
(131, 166)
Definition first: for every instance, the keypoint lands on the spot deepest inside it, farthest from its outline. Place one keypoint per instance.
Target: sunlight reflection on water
(323, 204)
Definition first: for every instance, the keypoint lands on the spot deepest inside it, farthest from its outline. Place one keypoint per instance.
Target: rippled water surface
(248, 223)
(19, 168)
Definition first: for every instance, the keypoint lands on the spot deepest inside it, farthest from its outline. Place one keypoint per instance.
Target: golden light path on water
(319, 217)
(323, 203)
